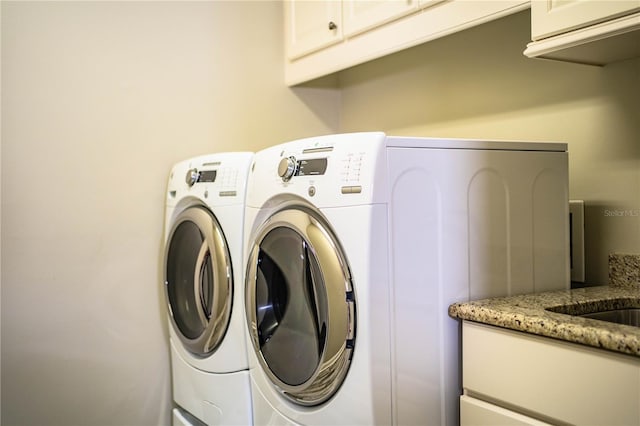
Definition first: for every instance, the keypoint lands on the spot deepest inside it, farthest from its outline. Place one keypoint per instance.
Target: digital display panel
(316, 166)
(207, 176)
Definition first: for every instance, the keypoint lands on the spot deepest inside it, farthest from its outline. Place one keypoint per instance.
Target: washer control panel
(332, 170)
(205, 176)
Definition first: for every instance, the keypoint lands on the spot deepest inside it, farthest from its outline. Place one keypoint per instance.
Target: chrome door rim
(340, 337)
(214, 246)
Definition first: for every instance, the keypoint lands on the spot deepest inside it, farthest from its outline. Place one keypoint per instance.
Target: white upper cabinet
(551, 17)
(311, 25)
(595, 32)
(362, 15)
(326, 36)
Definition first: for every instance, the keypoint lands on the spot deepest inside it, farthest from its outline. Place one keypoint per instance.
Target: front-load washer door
(300, 305)
(198, 280)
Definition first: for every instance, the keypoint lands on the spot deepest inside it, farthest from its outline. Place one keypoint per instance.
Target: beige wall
(99, 99)
(478, 84)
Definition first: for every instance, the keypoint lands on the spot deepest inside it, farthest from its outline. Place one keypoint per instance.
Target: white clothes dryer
(356, 244)
(203, 280)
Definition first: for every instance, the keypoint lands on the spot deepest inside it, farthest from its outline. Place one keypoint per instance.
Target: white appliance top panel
(215, 179)
(445, 143)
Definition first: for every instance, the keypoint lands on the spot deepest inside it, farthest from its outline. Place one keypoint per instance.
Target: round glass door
(300, 306)
(198, 280)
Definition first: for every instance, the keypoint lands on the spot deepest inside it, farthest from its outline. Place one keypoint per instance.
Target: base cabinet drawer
(474, 412)
(550, 379)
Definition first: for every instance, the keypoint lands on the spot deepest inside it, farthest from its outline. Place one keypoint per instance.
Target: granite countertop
(534, 313)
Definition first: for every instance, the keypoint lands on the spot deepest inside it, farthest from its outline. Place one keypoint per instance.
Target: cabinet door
(311, 25)
(362, 15)
(551, 17)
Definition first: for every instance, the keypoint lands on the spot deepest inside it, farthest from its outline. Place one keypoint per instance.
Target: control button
(192, 177)
(352, 167)
(228, 177)
(351, 189)
(312, 191)
(287, 168)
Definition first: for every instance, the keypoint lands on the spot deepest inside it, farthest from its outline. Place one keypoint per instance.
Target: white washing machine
(204, 288)
(356, 245)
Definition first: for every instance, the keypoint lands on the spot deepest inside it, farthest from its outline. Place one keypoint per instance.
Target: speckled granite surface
(624, 270)
(541, 314)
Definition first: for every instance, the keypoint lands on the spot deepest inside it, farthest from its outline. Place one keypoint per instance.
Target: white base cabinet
(532, 379)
